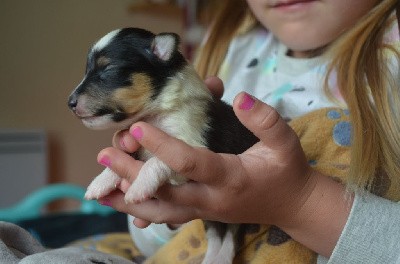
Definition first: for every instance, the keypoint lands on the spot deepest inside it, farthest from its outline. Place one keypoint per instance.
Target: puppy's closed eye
(103, 61)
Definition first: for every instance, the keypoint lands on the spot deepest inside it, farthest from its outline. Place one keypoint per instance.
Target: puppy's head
(125, 71)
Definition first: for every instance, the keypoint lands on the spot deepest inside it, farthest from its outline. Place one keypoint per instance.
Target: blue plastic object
(31, 206)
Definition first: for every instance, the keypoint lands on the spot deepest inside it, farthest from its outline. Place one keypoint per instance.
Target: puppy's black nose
(72, 101)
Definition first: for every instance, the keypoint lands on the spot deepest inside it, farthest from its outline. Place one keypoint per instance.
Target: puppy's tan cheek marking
(102, 61)
(133, 98)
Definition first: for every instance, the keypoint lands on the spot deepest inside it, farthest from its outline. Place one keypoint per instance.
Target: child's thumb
(264, 121)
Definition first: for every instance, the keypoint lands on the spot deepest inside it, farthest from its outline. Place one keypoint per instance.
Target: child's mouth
(288, 3)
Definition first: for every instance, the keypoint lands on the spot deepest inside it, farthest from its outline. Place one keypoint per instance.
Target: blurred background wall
(43, 51)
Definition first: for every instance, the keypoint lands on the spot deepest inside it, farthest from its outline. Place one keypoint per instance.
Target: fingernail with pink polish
(105, 202)
(105, 161)
(137, 133)
(247, 102)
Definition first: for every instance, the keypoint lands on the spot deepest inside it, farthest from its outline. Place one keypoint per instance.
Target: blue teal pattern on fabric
(280, 92)
(333, 114)
(342, 133)
(269, 65)
(342, 130)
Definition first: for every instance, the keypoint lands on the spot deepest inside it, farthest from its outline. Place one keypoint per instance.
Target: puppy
(133, 74)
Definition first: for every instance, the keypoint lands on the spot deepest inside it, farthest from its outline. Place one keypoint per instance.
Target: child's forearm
(321, 219)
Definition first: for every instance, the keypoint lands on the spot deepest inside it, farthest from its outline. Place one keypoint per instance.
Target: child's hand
(270, 183)
(265, 184)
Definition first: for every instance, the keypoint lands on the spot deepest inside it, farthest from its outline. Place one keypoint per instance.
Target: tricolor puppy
(134, 75)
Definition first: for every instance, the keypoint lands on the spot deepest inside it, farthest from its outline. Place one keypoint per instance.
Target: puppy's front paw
(140, 191)
(102, 185)
(151, 176)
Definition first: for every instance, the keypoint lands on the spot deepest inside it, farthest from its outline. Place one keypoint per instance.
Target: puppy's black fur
(133, 74)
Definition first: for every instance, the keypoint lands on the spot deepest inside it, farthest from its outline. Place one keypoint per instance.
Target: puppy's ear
(164, 45)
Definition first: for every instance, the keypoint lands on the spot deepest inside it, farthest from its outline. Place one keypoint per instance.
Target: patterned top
(258, 63)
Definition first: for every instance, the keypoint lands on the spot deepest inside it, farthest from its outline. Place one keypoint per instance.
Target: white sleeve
(371, 234)
(149, 240)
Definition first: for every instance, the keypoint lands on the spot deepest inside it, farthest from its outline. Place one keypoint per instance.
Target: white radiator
(23, 164)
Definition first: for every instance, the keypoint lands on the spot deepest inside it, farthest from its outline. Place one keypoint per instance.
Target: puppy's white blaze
(104, 41)
(78, 85)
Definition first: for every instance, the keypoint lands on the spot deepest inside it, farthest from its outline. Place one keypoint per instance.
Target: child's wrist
(298, 197)
(319, 221)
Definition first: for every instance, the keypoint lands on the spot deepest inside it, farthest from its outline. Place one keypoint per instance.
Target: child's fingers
(188, 194)
(157, 210)
(141, 223)
(116, 201)
(193, 163)
(124, 141)
(264, 121)
(215, 85)
(120, 162)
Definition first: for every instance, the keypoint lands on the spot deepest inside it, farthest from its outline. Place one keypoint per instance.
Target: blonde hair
(360, 62)
(231, 17)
